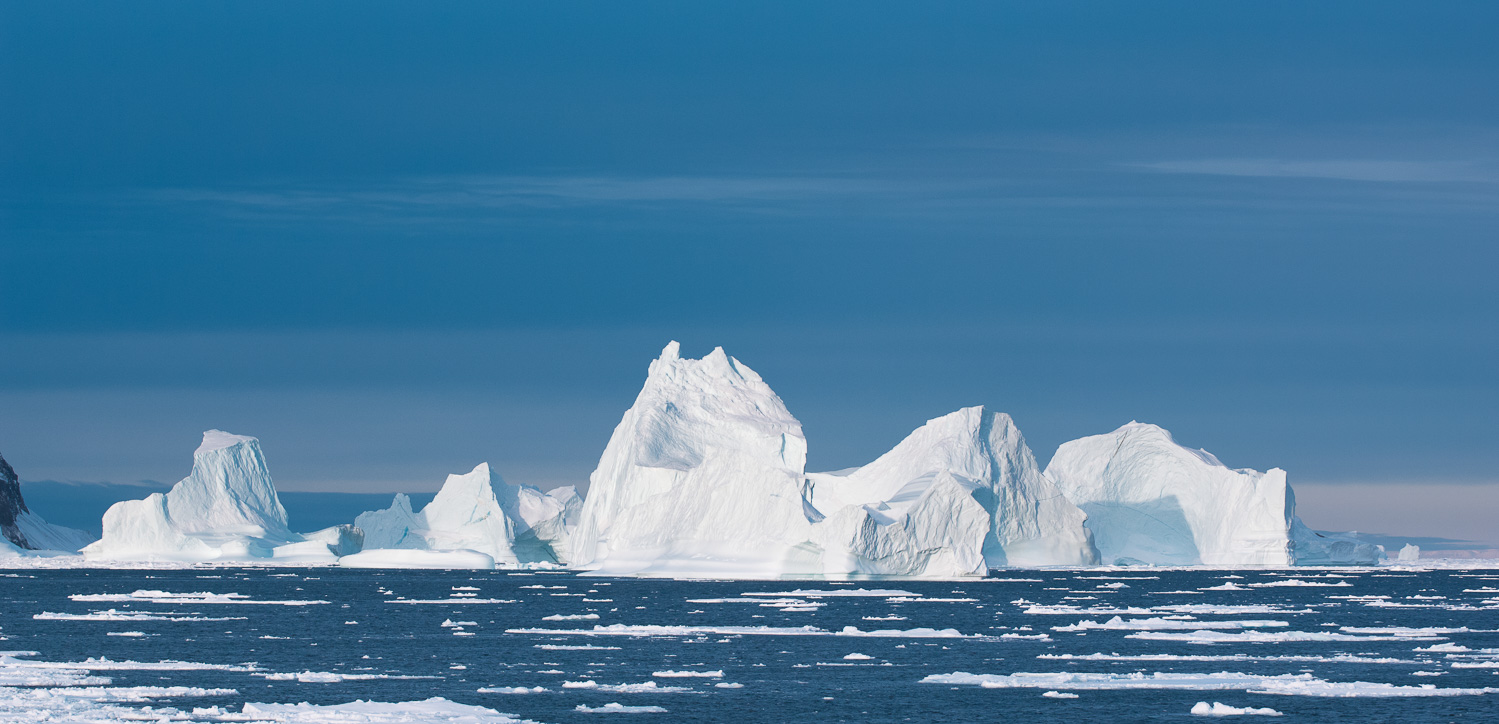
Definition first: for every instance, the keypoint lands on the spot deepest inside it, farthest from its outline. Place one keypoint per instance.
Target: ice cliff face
(226, 508)
(22, 529)
(958, 496)
(1150, 500)
(703, 474)
(479, 511)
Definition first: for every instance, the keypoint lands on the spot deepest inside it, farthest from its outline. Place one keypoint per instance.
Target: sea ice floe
(436, 710)
(571, 617)
(857, 657)
(1161, 624)
(1058, 695)
(1333, 659)
(669, 674)
(513, 690)
(1300, 583)
(1267, 637)
(574, 647)
(728, 685)
(1434, 631)
(838, 592)
(331, 677)
(620, 629)
(1027, 637)
(649, 687)
(1283, 684)
(115, 615)
(441, 601)
(199, 597)
(1202, 708)
(615, 707)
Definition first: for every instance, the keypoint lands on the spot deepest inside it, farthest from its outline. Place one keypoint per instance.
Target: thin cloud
(547, 191)
(1346, 170)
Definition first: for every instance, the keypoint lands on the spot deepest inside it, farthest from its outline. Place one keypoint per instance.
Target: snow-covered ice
(958, 496)
(1202, 708)
(225, 509)
(1151, 500)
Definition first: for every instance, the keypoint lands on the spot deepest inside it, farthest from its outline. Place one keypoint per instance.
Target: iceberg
(958, 496)
(705, 475)
(702, 476)
(225, 509)
(479, 512)
(1150, 500)
(22, 530)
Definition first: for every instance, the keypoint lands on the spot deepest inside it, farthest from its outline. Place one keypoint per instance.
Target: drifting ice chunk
(1150, 500)
(479, 511)
(1410, 552)
(959, 495)
(226, 509)
(702, 476)
(21, 529)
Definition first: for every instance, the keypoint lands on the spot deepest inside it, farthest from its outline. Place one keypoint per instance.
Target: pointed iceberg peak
(218, 440)
(707, 462)
(672, 368)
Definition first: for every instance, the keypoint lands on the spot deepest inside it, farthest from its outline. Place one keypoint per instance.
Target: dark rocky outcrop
(11, 505)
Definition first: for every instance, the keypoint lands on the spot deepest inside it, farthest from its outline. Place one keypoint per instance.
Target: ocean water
(1349, 645)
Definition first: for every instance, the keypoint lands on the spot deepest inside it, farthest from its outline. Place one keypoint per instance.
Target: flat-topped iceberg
(958, 496)
(22, 531)
(1151, 500)
(225, 509)
(703, 475)
(479, 512)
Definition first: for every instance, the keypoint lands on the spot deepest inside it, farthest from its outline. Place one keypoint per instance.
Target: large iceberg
(23, 530)
(702, 476)
(958, 496)
(1150, 500)
(478, 511)
(225, 509)
(705, 475)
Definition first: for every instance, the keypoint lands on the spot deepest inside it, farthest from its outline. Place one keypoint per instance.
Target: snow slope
(703, 475)
(958, 496)
(22, 530)
(1150, 500)
(225, 509)
(478, 511)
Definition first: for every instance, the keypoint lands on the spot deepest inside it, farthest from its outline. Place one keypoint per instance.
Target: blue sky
(395, 240)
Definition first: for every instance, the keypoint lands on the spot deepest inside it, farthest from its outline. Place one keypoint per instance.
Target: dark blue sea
(1337, 646)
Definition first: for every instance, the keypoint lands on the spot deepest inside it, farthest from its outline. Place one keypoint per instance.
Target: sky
(395, 240)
